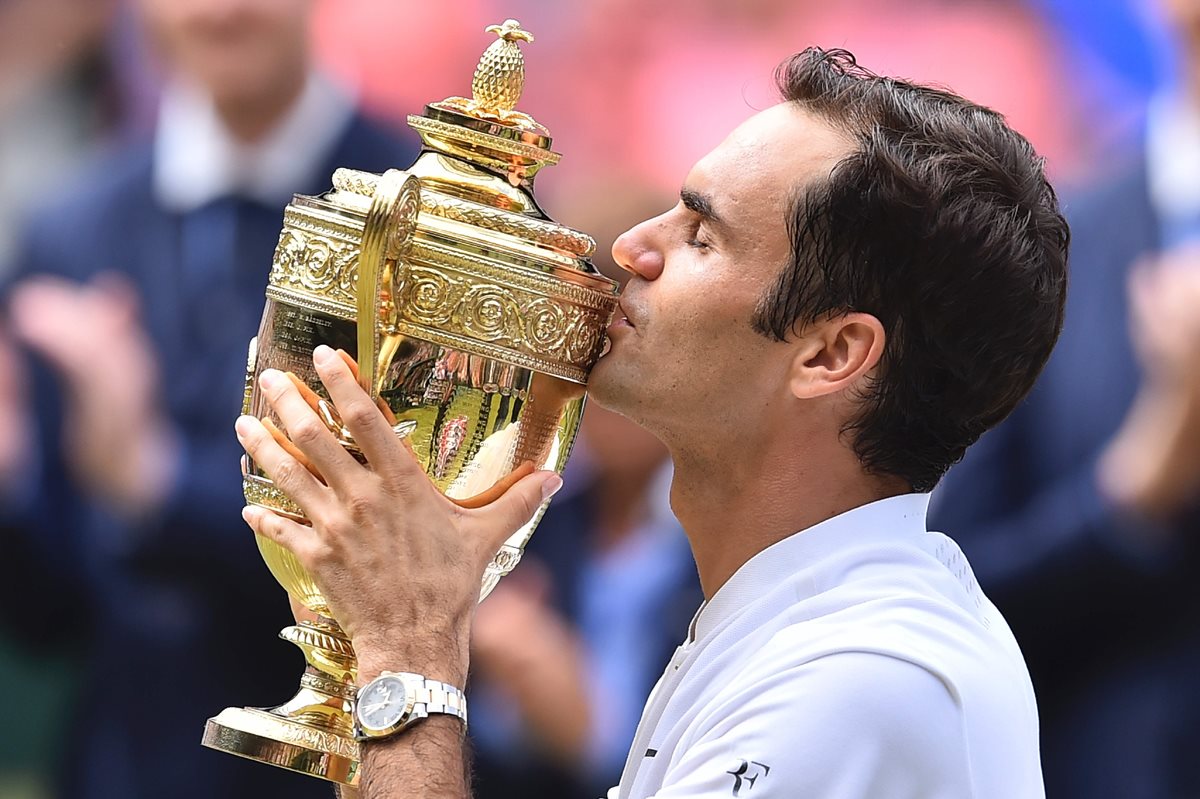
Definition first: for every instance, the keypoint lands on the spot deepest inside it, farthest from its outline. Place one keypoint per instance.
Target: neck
(249, 119)
(736, 502)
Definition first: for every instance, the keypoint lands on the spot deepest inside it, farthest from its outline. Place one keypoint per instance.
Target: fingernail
(551, 486)
(269, 378)
(323, 355)
(243, 425)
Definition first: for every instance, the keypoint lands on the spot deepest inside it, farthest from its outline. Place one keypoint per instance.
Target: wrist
(437, 655)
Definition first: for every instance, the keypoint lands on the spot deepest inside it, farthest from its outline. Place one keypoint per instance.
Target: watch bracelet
(430, 696)
(440, 697)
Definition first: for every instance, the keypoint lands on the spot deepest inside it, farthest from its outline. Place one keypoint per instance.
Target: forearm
(428, 760)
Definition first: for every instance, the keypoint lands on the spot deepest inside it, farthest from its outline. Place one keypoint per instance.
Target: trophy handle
(391, 224)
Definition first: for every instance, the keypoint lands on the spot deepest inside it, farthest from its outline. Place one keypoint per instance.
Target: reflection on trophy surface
(470, 315)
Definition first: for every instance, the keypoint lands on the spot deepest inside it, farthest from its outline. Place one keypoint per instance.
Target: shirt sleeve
(852, 725)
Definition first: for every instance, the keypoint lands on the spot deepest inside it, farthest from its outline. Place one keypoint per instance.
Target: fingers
(290, 535)
(516, 506)
(307, 431)
(350, 362)
(495, 492)
(288, 474)
(45, 313)
(364, 420)
(282, 440)
(311, 397)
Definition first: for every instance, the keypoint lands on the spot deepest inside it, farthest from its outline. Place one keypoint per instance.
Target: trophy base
(269, 738)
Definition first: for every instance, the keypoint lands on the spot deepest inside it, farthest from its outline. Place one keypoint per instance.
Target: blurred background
(147, 148)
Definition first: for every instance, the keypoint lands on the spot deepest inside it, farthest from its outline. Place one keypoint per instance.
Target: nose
(634, 251)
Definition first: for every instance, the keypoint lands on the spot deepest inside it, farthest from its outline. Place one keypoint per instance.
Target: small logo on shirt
(746, 774)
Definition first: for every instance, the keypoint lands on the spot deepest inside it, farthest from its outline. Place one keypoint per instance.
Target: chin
(614, 386)
(603, 383)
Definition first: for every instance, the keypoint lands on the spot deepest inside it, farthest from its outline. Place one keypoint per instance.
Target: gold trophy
(474, 320)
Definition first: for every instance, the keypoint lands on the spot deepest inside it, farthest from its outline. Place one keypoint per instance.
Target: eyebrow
(700, 204)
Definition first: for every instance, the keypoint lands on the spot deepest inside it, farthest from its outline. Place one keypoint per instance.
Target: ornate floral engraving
(530, 318)
(544, 327)
(320, 740)
(261, 492)
(433, 127)
(506, 559)
(484, 216)
(318, 264)
(325, 685)
(545, 322)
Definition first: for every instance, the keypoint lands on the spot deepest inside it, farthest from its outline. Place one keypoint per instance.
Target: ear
(835, 353)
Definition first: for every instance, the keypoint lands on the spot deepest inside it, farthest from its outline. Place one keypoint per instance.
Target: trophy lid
(487, 129)
(455, 249)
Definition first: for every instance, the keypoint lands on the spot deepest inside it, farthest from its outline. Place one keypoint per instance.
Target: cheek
(704, 336)
(706, 304)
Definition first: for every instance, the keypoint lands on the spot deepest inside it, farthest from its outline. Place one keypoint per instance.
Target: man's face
(237, 50)
(688, 359)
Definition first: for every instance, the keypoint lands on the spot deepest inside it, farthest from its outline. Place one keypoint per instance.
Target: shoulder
(868, 693)
(850, 724)
(940, 690)
(933, 619)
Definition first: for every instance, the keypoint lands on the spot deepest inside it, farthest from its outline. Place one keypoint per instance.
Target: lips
(621, 317)
(619, 325)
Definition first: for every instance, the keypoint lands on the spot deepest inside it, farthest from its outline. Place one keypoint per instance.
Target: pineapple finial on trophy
(499, 80)
(500, 77)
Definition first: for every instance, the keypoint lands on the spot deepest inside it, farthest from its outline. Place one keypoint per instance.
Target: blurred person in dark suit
(138, 292)
(1081, 513)
(566, 650)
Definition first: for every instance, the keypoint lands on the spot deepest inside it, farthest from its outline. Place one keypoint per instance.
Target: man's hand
(119, 442)
(399, 563)
(533, 654)
(1152, 466)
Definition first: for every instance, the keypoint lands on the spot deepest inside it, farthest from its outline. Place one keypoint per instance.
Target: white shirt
(197, 160)
(857, 659)
(1173, 166)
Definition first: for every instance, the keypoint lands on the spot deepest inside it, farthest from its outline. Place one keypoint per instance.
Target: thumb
(516, 506)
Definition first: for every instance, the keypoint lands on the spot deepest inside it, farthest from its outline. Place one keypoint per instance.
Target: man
(853, 287)
(139, 290)
(1082, 510)
(576, 639)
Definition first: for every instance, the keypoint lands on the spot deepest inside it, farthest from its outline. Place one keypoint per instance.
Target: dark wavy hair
(942, 225)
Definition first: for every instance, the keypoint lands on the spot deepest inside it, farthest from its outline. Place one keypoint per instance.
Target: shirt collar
(885, 520)
(197, 160)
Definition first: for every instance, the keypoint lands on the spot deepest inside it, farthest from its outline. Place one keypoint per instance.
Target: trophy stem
(311, 733)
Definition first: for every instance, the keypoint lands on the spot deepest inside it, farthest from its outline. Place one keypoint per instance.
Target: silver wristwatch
(394, 701)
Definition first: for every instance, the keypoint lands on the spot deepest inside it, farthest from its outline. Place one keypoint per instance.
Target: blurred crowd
(147, 148)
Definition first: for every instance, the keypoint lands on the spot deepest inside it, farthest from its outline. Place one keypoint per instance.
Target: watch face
(382, 704)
